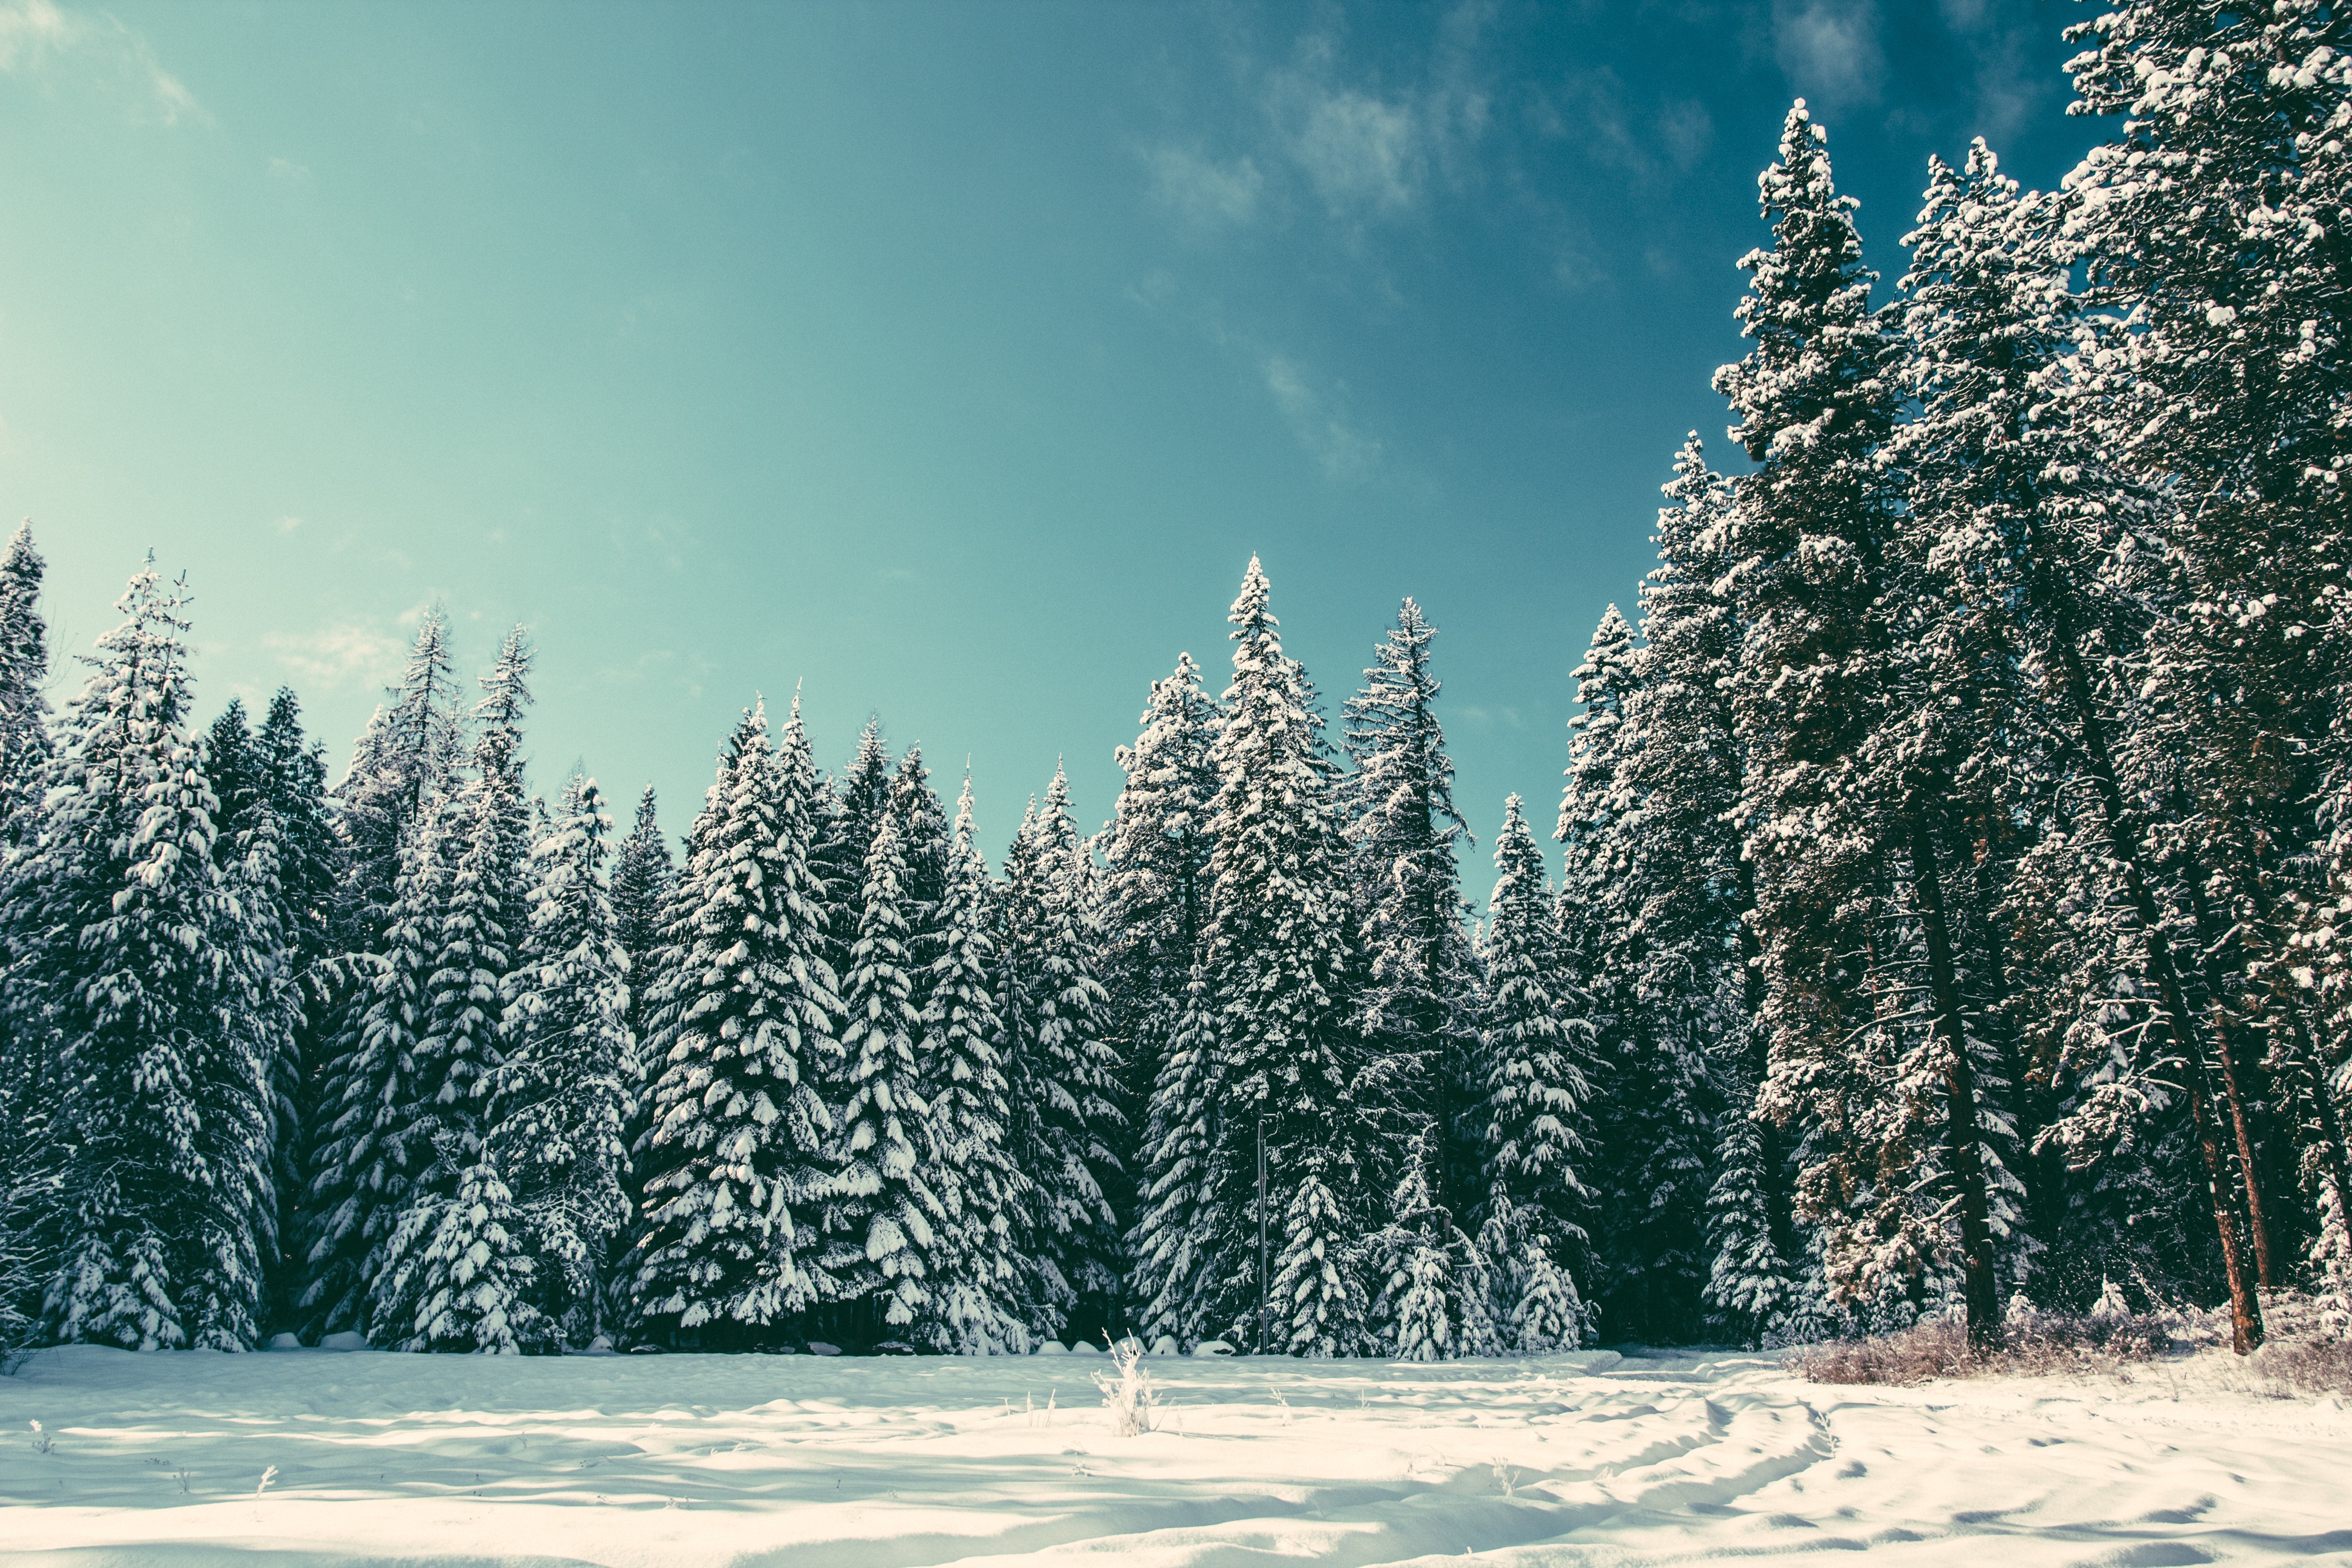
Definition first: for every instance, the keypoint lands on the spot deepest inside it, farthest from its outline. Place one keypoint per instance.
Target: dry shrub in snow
(2038, 1345)
(1127, 1389)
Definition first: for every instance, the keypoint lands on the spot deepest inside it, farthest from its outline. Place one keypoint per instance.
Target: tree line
(1955, 848)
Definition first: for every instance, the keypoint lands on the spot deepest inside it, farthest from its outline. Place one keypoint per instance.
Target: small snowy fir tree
(464, 1264)
(1536, 1048)
(1278, 958)
(1169, 1283)
(124, 950)
(1155, 878)
(559, 1095)
(1062, 1077)
(1418, 1001)
(1319, 1295)
(882, 1216)
(739, 1130)
(983, 1192)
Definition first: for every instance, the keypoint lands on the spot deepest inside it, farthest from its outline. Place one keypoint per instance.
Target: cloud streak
(350, 655)
(37, 36)
(1319, 422)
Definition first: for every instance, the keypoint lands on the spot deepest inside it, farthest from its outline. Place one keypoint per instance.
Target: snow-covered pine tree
(739, 1129)
(280, 921)
(1648, 1168)
(1435, 1301)
(1420, 1021)
(486, 835)
(1853, 751)
(1535, 1049)
(1064, 1078)
(126, 957)
(27, 1086)
(643, 875)
(2032, 542)
(926, 845)
(464, 1262)
(1318, 1305)
(975, 1301)
(365, 1156)
(1691, 889)
(643, 886)
(1278, 954)
(851, 813)
(406, 759)
(1154, 889)
(882, 1216)
(24, 676)
(1169, 1280)
(310, 871)
(402, 766)
(560, 1095)
(2214, 219)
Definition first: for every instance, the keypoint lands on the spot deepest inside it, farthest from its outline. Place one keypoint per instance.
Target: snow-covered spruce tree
(974, 1300)
(259, 829)
(464, 1262)
(485, 833)
(1851, 748)
(643, 875)
(1318, 1305)
(560, 1095)
(402, 766)
(1276, 953)
(1691, 887)
(850, 811)
(2215, 218)
(310, 872)
(26, 1084)
(1419, 994)
(1651, 1111)
(1435, 1301)
(1062, 1077)
(2037, 544)
(926, 845)
(125, 956)
(739, 1130)
(644, 887)
(882, 1218)
(1536, 1048)
(365, 1154)
(1154, 890)
(1170, 1280)
(23, 675)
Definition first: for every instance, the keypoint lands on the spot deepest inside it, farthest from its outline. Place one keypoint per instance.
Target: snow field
(1572, 1459)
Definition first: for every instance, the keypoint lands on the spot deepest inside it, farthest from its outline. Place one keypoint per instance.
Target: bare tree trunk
(2226, 1044)
(2123, 842)
(1967, 1141)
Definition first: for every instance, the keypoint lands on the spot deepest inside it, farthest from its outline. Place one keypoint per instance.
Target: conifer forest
(1946, 911)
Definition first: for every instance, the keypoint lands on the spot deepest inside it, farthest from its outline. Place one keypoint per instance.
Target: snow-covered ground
(160, 1460)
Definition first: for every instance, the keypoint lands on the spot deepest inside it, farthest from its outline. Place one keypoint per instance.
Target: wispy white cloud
(1201, 191)
(1319, 421)
(289, 170)
(38, 35)
(30, 31)
(288, 525)
(349, 654)
(1361, 153)
(1828, 48)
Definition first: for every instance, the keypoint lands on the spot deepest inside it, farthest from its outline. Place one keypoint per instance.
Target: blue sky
(948, 361)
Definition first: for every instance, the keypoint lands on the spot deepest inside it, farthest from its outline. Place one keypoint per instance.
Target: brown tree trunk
(2241, 1121)
(2245, 1307)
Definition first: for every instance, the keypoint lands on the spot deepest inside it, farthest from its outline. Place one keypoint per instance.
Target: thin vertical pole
(1260, 1233)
